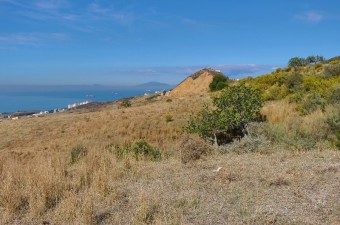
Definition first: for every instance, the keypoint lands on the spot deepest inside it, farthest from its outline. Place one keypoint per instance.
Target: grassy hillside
(89, 166)
(317, 82)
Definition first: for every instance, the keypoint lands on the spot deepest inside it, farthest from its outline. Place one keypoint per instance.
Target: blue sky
(134, 41)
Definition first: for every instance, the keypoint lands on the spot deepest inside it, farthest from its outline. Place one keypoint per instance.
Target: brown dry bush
(192, 147)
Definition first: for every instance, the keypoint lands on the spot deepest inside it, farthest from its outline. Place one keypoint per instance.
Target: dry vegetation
(40, 184)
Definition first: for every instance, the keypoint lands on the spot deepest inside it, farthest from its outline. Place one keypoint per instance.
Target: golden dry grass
(39, 185)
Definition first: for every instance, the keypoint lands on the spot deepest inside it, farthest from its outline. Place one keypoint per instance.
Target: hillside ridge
(195, 84)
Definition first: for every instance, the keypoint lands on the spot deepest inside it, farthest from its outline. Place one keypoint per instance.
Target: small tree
(297, 61)
(319, 59)
(234, 109)
(311, 59)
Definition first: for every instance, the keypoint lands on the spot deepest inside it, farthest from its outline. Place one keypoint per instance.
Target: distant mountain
(155, 85)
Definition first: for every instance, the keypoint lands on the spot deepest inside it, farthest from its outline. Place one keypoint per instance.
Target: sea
(45, 98)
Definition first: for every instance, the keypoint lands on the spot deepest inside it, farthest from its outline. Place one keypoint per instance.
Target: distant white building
(74, 105)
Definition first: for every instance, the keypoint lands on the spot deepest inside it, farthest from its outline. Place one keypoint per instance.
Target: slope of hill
(196, 84)
(83, 167)
(295, 83)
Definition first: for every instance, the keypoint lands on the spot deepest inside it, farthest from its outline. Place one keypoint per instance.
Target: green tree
(320, 58)
(311, 59)
(297, 61)
(125, 103)
(233, 110)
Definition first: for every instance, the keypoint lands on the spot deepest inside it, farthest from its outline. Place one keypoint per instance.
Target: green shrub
(169, 100)
(144, 149)
(152, 97)
(77, 153)
(125, 103)
(296, 98)
(168, 118)
(235, 107)
(294, 81)
(120, 151)
(219, 82)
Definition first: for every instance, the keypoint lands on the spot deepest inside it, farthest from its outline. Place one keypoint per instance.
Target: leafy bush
(144, 149)
(169, 100)
(77, 153)
(219, 82)
(152, 97)
(296, 98)
(294, 81)
(141, 149)
(235, 107)
(192, 148)
(125, 103)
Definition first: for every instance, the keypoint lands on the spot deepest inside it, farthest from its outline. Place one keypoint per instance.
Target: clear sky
(136, 41)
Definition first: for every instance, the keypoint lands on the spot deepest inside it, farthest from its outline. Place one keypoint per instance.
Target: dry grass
(40, 185)
(281, 188)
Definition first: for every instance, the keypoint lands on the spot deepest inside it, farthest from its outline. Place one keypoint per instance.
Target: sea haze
(22, 98)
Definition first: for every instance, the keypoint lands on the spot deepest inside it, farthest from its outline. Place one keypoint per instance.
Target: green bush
(219, 82)
(169, 100)
(125, 103)
(144, 149)
(77, 153)
(168, 118)
(235, 107)
(294, 81)
(120, 151)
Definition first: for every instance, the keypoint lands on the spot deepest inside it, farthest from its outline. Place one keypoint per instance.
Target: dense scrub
(311, 87)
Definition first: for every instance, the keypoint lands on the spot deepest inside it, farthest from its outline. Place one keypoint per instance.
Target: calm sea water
(14, 99)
